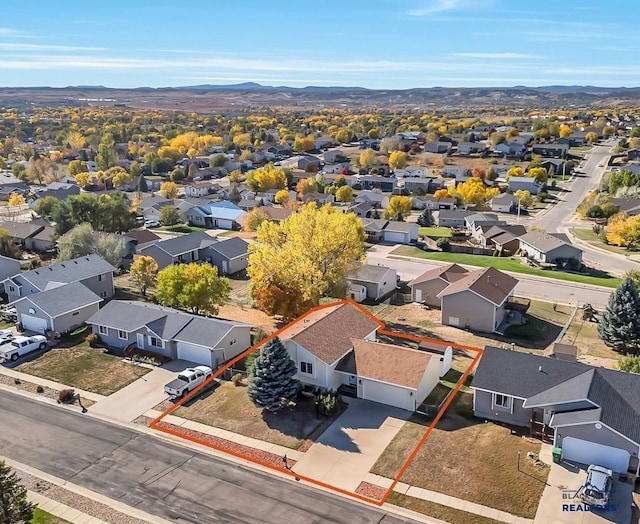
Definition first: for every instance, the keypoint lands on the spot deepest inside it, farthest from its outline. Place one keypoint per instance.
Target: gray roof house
(170, 333)
(373, 198)
(526, 183)
(452, 218)
(591, 413)
(59, 309)
(58, 190)
(477, 301)
(425, 288)
(91, 270)
(504, 203)
(179, 250)
(548, 248)
(216, 215)
(229, 255)
(397, 232)
(374, 282)
(8, 268)
(31, 236)
(503, 237)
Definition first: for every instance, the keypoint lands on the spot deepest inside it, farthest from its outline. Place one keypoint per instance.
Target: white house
(377, 281)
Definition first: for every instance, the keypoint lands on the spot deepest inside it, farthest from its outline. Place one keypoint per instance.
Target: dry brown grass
(228, 407)
(438, 511)
(466, 458)
(86, 368)
(584, 334)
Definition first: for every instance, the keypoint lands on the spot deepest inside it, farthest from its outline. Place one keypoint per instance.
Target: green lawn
(436, 232)
(182, 228)
(505, 264)
(42, 517)
(589, 235)
(83, 367)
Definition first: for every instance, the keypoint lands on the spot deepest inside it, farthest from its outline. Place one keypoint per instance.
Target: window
(103, 330)
(155, 342)
(12, 289)
(103, 294)
(306, 367)
(122, 334)
(502, 401)
(100, 278)
(75, 313)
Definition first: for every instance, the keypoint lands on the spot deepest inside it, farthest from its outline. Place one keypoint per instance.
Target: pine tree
(426, 218)
(271, 380)
(14, 506)
(619, 327)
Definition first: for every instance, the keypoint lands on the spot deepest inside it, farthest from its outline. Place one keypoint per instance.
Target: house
(229, 255)
(460, 173)
(477, 301)
(433, 203)
(472, 221)
(319, 198)
(378, 282)
(221, 215)
(591, 413)
(170, 333)
(179, 250)
(468, 148)
(381, 183)
(510, 149)
(504, 203)
(629, 206)
(548, 248)
(279, 150)
(437, 147)
(412, 172)
(276, 214)
(525, 183)
(334, 156)
(150, 207)
(201, 189)
(550, 150)
(377, 200)
(325, 142)
(503, 237)
(302, 162)
(442, 352)
(361, 209)
(142, 236)
(426, 287)
(58, 190)
(633, 154)
(397, 232)
(91, 270)
(30, 236)
(453, 218)
(333, 347)
(558, 166)
(373, 228)
(60, 309)
(8, 268)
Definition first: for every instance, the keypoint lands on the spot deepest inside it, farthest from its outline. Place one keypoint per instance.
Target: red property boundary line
(154, 424)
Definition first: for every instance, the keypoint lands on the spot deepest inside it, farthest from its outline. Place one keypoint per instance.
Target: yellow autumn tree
(16, 199)
(169, 190)
(622, 230)
(368, 158)
(565, 131)
(253, 219)
(591, 137)
(515, 171)
(83, 179)
(473, 191)
(305, 257)
(398, 206)
(397, 160)
(282, 197)
(344, 194)
(306, 185)
(525, 198)
(441, 193)
(539, 173)
(265, 178)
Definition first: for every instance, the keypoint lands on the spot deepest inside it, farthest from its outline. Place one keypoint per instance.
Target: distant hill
(211, 98)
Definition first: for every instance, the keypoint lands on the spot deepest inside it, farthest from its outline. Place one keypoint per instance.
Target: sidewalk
(446, 500)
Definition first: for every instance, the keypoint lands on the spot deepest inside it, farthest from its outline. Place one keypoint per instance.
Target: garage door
(400, 238)
(585, 452)
(31, 323)
(387, 394)
(194, 353)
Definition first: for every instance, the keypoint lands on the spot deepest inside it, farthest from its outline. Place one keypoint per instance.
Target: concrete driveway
(557, 505)
(140, 396)
(349, 448)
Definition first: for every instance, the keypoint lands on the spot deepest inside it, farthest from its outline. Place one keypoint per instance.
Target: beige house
(478, 301)
(426, 288)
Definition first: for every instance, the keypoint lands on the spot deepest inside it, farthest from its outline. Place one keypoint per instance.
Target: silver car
(597, 488)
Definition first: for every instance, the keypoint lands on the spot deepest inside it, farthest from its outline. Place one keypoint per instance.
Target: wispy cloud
(7, 31)
(498, 56)
(43, 47)
(436, 6)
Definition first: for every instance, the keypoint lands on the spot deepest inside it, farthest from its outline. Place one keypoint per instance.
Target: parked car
(597, 486)
(20, 346)
(187, 381)
(6, 335)
(151, 223)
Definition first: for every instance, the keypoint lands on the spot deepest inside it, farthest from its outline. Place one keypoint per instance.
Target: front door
(140, 343)
(353, 380)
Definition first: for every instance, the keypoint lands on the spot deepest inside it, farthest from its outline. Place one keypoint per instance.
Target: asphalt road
(549, 290)
(160, 478)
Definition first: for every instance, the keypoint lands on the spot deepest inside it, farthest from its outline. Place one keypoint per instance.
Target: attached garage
(389, 394)
(194, 353)
(586, 452)
(33, 323)
(397, 238)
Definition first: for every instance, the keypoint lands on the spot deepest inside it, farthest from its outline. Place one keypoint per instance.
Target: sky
(381, 44)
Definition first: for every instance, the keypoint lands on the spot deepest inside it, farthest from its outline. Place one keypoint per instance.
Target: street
(549, 290)
(160, 478)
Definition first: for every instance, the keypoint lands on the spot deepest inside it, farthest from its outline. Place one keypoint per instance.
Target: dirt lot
(467, 458)
(591, 350)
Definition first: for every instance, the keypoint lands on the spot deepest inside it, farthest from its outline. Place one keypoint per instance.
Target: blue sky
(392, 44)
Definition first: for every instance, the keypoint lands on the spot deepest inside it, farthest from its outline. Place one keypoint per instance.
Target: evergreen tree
(619, 327)
(14, 506)
(426, 218)
(234, 195)
(271, 380)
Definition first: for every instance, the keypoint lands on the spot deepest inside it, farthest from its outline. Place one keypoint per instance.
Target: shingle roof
(165, 322)
(231, 247)
(388, 363)
(514, 230)
(504, 198)
(142, 236)
(543, 242)
(327, 332)
(20, 230)
(454, 213)
(277, 213)
(490, 283)
(67, 272)
(449, 273)
(184, 243)
(369, 273)
(530, 376)
(399, 227)
(63, 299)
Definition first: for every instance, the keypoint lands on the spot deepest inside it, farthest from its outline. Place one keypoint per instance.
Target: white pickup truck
(20, 346)
(187, 381)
